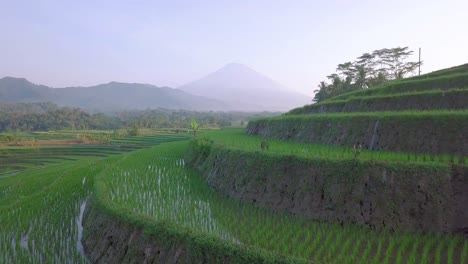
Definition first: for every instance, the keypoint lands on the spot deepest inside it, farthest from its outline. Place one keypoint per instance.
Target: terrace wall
(444, 82)
(114, 236)
(454, 100)
(417, 133)
(378, 194)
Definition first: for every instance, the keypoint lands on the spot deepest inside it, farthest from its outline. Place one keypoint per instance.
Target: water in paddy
(162, 189)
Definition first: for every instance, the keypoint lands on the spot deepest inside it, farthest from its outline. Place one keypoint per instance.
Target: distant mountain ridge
(233, 87)
(113, 96)
(245, 89)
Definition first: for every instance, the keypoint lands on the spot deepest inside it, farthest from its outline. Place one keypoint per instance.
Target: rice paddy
(42, 200)
(44, 193)
(236, 138)
(15, 159)
(155, 183)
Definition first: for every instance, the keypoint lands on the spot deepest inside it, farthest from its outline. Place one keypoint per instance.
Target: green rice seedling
(369, 244)
(414, 251)
(376, 258)
(428, 246)
(438, 253)
(454, 243)
(238, 139)
(404, 244)
(156, 184)
(464, 254)
(341, 258)
(41, 207)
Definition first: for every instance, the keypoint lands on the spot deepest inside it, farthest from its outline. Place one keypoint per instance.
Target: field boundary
(382, 195)
(453, 99)
(429, 132)
(116, 234)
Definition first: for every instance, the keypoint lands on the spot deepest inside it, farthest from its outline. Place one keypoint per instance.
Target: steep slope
(246, 89)
(112, 96)
(16, 90)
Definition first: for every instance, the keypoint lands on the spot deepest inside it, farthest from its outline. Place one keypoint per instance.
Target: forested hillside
(49, 116)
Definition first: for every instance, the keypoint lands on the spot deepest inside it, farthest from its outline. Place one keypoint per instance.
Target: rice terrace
(288, 189)
(234, 132)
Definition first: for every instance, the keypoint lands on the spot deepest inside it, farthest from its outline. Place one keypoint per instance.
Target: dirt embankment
(108, 238)
(380, 195)
(454, 100)
(416, 134)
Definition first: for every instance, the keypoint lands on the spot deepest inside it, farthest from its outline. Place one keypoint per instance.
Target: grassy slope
(39, 206)
(453, 99)
(425, 86)
(237, 139)
(35, 199)
(16, 159)
(424, 83)
(152, 188)
(431, 132)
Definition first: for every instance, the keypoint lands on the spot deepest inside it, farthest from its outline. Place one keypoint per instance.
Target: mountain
(112, 96)
(245, 89)
(19, 90)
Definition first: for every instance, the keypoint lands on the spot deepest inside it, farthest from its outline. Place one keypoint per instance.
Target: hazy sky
(169, 43)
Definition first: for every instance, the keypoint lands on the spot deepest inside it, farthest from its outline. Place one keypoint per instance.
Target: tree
(322, 93)
(195, 127)
(395, 58)
(368, 70)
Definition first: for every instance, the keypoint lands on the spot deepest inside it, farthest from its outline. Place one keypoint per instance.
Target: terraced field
(156, 185)
(43, 196)
(16, 159)
(238, 139)
(445, 89)
(346, 184)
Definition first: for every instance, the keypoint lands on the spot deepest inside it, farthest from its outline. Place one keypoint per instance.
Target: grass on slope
(39, 211)
(237, 138)
(154, 183)
(448, 71)
(40, 207)
(15, 159)
(443, 82)
(423, 96)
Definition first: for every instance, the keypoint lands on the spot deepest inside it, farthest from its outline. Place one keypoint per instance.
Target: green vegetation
(40, 207)
(425, 132)
(237, 139)
(39, 212)
(448, 71)
(48, 116)
(154, 183)
(368, 70)
(438, 90)
(152, 188)
(18, 158)
(132, 175)
(440, 82)
(454, 99)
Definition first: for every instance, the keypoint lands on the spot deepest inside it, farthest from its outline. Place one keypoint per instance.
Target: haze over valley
(242, 131)
(234, 87)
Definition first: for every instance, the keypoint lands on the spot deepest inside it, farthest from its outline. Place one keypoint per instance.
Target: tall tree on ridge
(368, 70)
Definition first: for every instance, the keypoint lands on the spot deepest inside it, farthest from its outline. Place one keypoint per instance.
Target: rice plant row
(237, 138)
(40, 214)
(156, 183)
(14, 159)
(41, 208)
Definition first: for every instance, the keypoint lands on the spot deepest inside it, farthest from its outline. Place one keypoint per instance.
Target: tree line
(368, 70)
(49, 116)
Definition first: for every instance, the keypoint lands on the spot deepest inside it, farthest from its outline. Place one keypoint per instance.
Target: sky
(170, 43)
